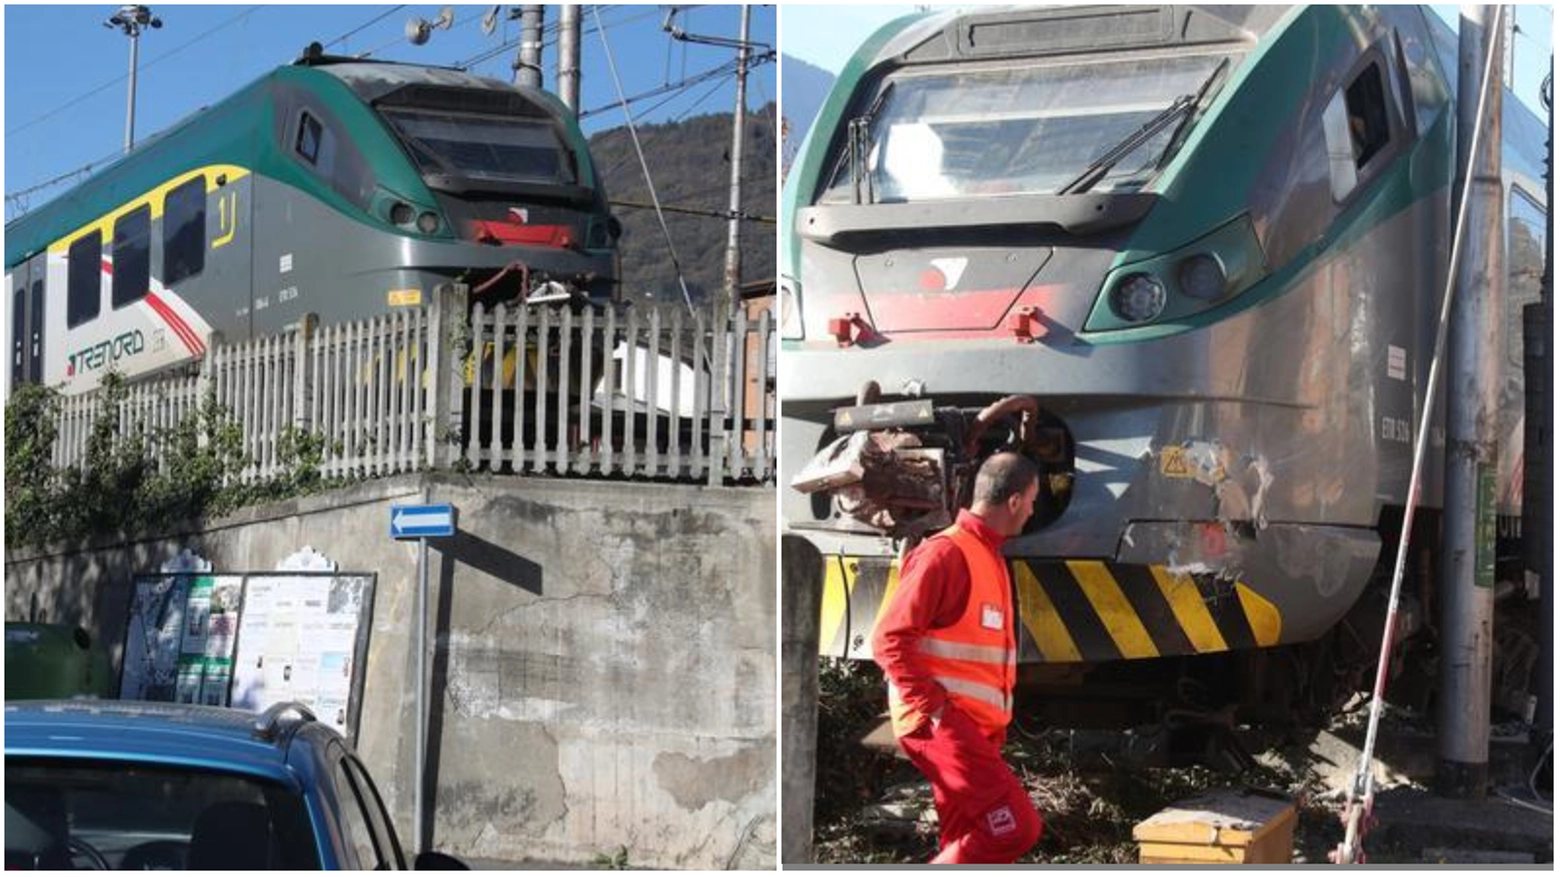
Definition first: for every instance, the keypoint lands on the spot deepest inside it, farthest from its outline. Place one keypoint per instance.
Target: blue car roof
(200, 737)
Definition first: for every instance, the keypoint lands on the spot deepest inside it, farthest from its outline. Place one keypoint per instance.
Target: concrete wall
(605, 667)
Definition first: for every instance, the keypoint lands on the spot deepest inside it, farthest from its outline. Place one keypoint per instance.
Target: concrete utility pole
(733, 274)
(130, 20)
(1541, 486)
(801, 604)
(528, 61)
(1468, 548)
(569, 57)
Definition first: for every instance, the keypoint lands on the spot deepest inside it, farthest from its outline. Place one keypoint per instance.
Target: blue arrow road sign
(421, 521)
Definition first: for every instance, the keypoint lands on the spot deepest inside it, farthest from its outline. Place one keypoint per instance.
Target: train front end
(1054, 231)
(484, 183)
(467, 181)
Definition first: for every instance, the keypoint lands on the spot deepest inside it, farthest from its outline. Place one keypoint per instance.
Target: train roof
(238, 130)
(934, 36)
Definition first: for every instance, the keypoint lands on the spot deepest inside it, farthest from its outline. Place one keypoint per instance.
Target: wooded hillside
(690, 163)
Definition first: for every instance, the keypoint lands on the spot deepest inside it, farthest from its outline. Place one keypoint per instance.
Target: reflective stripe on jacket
(975, 659)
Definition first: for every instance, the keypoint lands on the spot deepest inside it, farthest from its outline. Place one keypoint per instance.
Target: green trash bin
(51, 661)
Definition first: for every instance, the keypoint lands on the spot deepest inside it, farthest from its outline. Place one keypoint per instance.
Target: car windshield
(1014, 130)
(484, 146)
(70, 814)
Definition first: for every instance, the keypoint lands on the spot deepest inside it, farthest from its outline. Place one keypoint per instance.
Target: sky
(826, 36)
(66, 75)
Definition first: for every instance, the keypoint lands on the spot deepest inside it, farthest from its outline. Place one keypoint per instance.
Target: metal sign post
(421, 522)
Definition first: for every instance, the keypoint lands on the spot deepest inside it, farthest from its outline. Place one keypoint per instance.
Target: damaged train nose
(902, 469)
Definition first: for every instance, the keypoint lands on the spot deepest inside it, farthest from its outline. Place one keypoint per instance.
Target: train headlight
(1138, 298)
(1201, 276)
(1194, 285)
(428, 222)
(401, 213)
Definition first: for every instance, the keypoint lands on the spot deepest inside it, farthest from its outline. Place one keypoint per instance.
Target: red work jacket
(974, 659)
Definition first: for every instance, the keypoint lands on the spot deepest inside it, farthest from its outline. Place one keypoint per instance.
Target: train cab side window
(309, 133)
(317, 145)
(184, 232)
(132, 256)
(332, 158)
(84, 279)
(1367, 105)
(1356, 128)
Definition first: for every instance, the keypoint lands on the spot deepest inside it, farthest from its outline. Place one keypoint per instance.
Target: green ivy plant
(134, 479)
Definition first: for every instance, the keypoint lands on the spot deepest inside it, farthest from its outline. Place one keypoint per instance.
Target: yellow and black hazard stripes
(1186, 602)
(855, 590)
(1073, 611)
(1090, 610)
(1047, 631)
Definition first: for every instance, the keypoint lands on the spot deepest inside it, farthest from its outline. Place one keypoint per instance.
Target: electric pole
(1468, 548)
(131, 20)
(528, 61)
(569, 57)
(733, 273)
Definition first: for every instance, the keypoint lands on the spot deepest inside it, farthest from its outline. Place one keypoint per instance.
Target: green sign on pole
(1484, 529)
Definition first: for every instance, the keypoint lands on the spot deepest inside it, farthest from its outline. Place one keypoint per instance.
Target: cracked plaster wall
(604, 664)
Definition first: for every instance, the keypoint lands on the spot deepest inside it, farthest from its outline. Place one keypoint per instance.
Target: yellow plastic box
(1220, 827)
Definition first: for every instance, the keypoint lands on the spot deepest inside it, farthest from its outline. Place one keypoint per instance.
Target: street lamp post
(131, 19)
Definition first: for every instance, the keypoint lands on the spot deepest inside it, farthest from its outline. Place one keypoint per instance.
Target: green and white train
(333, 186)
(1190, 260)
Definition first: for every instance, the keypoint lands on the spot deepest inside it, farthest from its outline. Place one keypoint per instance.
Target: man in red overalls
(947, 644)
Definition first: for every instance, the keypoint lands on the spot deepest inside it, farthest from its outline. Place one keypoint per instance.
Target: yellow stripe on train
(154, 198)
(1072, 610)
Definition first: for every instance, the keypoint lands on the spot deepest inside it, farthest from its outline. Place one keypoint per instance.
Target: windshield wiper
(1180, 108)
(860, 134)
(1101, 166)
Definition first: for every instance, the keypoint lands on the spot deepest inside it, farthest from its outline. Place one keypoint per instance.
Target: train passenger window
(1367, 105)
(84, 279)
(18, 333)
(184, 232)
(132, 256)
(35, 365)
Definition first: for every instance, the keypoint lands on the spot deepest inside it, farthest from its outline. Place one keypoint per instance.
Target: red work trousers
(984, 813)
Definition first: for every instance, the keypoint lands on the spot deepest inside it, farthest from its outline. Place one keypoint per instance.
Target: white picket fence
(655, 393)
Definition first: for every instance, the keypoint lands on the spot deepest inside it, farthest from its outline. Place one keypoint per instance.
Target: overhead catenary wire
(695, 211)
(723, 69)
(549, 39)
(665, 130)
(1364, 780)
(633, 134)
(11, 132)
(117, 153)
(365, 25)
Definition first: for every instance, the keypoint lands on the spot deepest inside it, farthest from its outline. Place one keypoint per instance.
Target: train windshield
(1017, 130)
(484, 147)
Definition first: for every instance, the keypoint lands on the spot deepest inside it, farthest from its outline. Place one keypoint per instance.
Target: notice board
(180, 637)
(250, 640)
(304, 637)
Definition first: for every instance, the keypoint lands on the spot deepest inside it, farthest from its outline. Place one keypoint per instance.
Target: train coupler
(904, 468)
